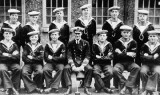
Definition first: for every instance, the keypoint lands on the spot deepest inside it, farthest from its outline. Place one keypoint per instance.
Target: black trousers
(108, 73)
(37, 80)
(8, 80)
(53, 82)
(150, 76)
(88, 75)
(133, 68)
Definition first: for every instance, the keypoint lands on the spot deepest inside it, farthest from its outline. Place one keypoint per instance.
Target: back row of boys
(80, 52)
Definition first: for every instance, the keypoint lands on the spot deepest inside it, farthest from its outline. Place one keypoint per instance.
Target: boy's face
(126, 33)
(13, 17)
(102, 37)
(54, 36)
(59, 14)
(142, 17)
(85, 12)
(153, 37)
(34, 38)
(114, 13)
(8, 35)
(34, 19)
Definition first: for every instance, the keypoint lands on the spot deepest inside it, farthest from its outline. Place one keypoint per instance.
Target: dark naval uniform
(10, 63)
(126, 62)
(141, 37)
(90, 29)
(56, 63)
(113, 33)
(78, 54)
(33, 66)
(26, 29)
(149, 71)
(64, 31)
(18, 32)
(102, 65)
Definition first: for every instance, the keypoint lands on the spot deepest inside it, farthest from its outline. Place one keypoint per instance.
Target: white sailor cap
(33, 13)
(143, 12)
(114, 8)
(33, 33)
(54, 30)
(126, 27)
(13, 11)
(100, 31)
(58, 9)
(153, 32)
(85, 6)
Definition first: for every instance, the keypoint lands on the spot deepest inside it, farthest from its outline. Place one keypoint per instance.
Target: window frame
(44, 15)
(136, 14)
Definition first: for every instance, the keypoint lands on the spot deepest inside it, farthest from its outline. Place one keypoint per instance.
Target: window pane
(48, 20)
(152, 3)
(99, 10)
(151, 19)
(157, 21)
(48, 3)
(99, 20)
(13, 2)
(111, 2)
(48, 11)
(20, 18)
(140, 4)
(146, 3)
(2, 3)
(151, 12)
(54, 3)
(93, 11)
(157, 12)
(93, 3)
(65, 11)
(53, 18)
(2, 11)
(105, 11)
(105, 3)
(7, 2)
(6, 10)
(65, 3)
(19, 3)
(99, 3)
(59, 3)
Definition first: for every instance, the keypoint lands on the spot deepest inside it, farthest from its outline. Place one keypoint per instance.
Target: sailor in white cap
(150, 63)
(102, 56)
(32, 25)
(54, 56)
(64, 29)
(87, 22)
(125, 52)
(61, 24)
(113, 25)
(9, 61)
(140, 31)
(33, 62)
(14, 24)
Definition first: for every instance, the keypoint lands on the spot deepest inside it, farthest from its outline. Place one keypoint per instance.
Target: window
(100, 10)
(8, 4)
(50, 5)
(153, 6)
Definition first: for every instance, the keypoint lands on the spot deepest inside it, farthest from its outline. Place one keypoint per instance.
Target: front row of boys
(78, 55)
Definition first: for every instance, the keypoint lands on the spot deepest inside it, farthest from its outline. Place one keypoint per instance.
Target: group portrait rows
(117, 47)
